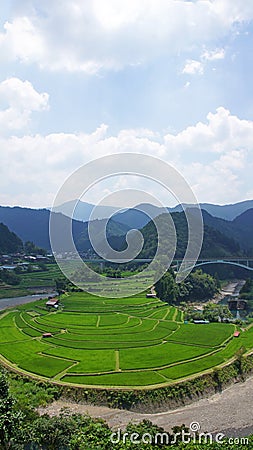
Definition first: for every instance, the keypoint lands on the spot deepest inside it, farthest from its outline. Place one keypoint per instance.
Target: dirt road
(229, 412)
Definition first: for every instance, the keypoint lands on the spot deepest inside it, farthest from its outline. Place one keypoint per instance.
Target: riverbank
(229, 412)
(231, 289)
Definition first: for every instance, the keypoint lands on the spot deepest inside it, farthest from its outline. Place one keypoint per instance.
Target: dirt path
(229, 412)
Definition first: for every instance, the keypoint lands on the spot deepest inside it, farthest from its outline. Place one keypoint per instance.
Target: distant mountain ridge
(33, 225)
(141, 214)
(227, 212)
(82, 210)
(222, 237)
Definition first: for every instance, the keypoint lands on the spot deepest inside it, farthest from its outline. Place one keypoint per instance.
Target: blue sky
(82, 79)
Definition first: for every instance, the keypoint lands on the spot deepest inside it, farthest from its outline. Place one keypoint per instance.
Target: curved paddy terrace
(121, 343)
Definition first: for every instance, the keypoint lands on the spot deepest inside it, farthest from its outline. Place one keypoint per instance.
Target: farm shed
(236, 333)
(53, 302)
(201, 321)
(46, 335)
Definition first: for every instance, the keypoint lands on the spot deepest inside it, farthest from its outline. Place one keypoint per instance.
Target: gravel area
(229, 412)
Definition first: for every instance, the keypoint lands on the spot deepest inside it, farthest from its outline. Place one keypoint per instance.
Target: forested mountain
(215, 243)
(29, 224)
(221, 237)
(240, 229)
(9, 241)
(135, 218)
(33, 225)
(140, 215)
(114, 233)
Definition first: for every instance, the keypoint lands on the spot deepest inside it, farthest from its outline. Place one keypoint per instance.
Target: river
(15, 301)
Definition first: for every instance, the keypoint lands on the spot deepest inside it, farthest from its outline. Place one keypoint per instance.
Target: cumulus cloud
(88, 36)
(193, 67)
(215, 157)
(21, 40)
(221, 133)
(214, 184)
(18, 99)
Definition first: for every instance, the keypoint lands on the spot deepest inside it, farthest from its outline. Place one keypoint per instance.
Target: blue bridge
(244, 263)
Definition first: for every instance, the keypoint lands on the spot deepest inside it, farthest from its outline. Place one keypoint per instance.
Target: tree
(198, 286)
(61, 285)
(9, 277)
(215, 312)
(239, 360)
(31, 249)
(166, 288)
(9, 418)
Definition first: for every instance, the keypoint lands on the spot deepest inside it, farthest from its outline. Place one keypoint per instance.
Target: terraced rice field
(131, 342)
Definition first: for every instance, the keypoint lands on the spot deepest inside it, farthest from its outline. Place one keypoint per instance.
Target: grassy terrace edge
(178, 393)
(13, 368)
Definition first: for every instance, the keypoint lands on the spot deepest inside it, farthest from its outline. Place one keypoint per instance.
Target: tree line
(198, 286)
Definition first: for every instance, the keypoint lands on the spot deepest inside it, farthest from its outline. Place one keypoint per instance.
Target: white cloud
(215, 156)
(18, 99)
(213, 55)
(193, 67)
(234, 160)
(22, 40)
(211, 184)
(223, 132)
(88, 36)
(219, 155)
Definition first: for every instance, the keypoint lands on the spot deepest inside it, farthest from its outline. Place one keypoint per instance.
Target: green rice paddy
(130, 342)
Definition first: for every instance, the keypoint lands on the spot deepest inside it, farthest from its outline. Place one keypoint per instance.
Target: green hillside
(9, 241)
(215, 243)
